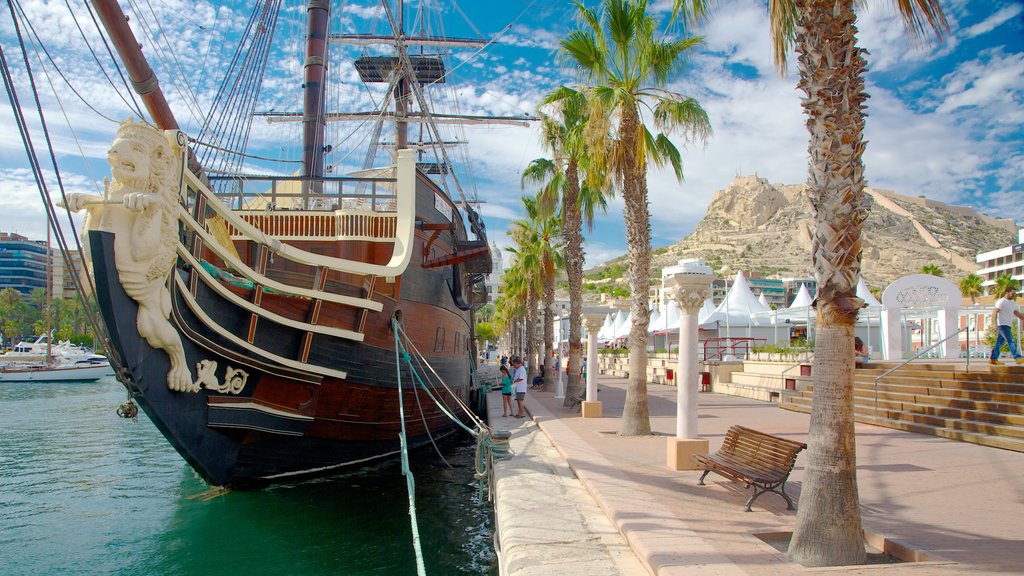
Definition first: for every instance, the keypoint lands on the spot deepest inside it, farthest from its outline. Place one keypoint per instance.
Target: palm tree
(970, 287)
(520, 283)
(831, 66)
(538, 240)
(932, 269)
(625, 67)
(580, 194)
(1003, 283)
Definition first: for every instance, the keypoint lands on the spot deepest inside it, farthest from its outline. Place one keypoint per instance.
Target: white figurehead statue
(140, 209)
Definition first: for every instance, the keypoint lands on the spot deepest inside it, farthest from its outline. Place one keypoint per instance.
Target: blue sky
(945, 120)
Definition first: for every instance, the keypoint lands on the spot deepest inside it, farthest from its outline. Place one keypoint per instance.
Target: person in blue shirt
(506, 392)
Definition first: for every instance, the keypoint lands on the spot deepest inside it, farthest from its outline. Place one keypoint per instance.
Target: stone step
(779, 369)
(947, 382)
(928, 400)
(763, 379)
(980, 371)
(1006, 436)
(968, 395)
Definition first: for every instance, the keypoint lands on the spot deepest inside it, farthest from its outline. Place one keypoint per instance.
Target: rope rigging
(490, 444)
(53, 222)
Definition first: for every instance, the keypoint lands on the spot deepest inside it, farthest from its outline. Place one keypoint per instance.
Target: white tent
(667, 321)
(623, 330)
(865, 294)
(605, 333)
(653, 319)
(706, 309)
(738, 306)
(763, 301)
(803, 298)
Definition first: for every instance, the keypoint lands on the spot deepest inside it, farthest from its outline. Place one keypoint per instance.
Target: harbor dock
(575, 498)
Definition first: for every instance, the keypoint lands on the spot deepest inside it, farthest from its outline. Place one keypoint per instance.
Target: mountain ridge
(757, 226)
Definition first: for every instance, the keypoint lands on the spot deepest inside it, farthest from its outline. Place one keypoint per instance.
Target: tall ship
(276, 324)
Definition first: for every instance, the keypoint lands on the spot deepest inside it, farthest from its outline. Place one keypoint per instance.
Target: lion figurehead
(142, 161)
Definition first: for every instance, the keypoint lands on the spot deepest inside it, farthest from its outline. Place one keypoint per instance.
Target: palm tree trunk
(636, 419)
(572, 232)
(549, 322)
(531, 332)
(828, 529)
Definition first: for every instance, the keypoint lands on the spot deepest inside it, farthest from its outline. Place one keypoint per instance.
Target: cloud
(997, 19)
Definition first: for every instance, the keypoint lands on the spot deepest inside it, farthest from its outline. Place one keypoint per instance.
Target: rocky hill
(754, 225)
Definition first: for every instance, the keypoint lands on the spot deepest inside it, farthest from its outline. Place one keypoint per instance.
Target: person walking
(506, 392)
(519, 381)
(1002, 315)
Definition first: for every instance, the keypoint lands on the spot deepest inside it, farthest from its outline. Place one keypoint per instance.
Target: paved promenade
(961, 504)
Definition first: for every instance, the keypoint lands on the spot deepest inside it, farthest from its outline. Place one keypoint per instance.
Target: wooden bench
(759, 460)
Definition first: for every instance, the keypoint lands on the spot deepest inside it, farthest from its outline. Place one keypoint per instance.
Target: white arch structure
(920, 291)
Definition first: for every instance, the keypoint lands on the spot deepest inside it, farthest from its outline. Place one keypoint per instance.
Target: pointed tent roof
(865, 294)
(606, 329)
(706, 309)
(623, 330)
(738, 305)
(763, 301)
(617, 325)
(668, 320)
(803, 298)
(655, 316)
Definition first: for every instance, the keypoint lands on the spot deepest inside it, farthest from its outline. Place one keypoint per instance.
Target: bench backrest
(769, 453)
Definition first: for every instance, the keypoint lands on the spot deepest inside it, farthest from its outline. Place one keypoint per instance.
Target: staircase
(983, 406)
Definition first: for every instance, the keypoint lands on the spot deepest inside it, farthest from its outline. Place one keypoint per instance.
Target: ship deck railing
(273, 228)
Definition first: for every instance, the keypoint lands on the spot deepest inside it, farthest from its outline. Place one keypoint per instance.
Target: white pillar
(689, 289)
(594, 319)
(686, 376)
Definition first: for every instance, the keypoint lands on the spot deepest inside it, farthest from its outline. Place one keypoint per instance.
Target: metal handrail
(919, 354)
(800, 363)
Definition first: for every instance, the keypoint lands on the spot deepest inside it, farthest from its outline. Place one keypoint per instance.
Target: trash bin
(705, 381)
(670, 374)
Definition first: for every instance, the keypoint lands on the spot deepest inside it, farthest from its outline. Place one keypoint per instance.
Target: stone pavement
(960, 504)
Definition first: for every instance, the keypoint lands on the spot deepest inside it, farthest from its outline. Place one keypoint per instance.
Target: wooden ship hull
(321, 378)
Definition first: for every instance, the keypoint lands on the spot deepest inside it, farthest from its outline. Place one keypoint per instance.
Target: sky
(944, 119)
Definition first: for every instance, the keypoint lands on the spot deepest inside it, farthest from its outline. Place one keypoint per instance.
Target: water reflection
(84, 492)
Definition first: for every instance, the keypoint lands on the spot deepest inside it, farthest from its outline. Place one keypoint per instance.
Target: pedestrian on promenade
(1002, 315)
(519, 381)
(860, 351)
(506, 392)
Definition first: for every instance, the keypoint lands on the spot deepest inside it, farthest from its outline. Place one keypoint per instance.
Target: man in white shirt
(1002, 316)
(519, 385)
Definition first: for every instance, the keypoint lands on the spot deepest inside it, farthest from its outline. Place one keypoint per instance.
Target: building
(23, 263)
(1008, 260)
(493, 281)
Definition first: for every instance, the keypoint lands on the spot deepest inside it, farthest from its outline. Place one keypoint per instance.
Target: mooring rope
(410, 482)
(490, 444)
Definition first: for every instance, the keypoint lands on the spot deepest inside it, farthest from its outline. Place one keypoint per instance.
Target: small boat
(35, 359)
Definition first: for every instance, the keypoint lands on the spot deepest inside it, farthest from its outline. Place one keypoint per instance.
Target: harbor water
(84, 492)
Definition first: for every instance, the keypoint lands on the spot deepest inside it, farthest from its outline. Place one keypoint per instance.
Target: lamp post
(594, 319)
(689, 288)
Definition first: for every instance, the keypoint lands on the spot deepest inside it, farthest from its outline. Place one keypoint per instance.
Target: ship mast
(143, 79)
(318, 14)
(401, 88)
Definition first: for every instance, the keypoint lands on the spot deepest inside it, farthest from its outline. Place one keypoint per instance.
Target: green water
(84, 492)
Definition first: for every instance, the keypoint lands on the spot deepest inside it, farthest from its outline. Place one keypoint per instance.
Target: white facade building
(1008, 260)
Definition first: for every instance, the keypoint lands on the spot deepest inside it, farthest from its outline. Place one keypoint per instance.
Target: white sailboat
(36, 359)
